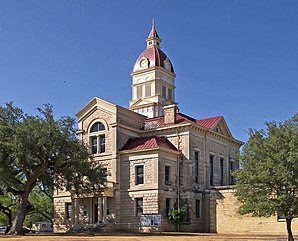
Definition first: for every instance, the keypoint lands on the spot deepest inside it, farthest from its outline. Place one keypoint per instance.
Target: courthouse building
(156, 157)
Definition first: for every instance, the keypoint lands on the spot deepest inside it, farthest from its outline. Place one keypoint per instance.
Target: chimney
(170, 112)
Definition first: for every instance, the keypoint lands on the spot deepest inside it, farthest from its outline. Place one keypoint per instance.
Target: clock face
(167, 64)
(144, 63)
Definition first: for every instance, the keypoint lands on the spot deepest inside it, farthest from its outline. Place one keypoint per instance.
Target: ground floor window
(168, 206)
(68, 210)
(198, 208)
(139, 206)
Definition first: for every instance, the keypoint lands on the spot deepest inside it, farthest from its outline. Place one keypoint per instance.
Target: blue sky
(233, 58)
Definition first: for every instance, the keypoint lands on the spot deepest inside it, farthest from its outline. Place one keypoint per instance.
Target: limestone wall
(224, 218)
(61, 223)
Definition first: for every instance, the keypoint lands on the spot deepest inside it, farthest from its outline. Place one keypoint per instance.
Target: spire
(153, 39)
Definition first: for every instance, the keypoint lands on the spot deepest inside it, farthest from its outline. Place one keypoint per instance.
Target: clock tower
(153, 79)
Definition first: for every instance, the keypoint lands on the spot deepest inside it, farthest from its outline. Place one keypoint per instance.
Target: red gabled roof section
(148, 142)
(157, 122)
(209, 122)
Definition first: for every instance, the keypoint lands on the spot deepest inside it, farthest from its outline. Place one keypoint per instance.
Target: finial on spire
(153, 39)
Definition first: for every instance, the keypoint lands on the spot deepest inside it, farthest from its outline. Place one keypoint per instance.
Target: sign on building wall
(150, 220)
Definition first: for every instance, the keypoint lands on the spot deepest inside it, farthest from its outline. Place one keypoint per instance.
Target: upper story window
(196, 166)
(97, 138)
(167, 175)
(98, 126)
(211, 157)
(148, 90)
(170, 94)
(164, 92)
(139, 92)
(139, 174)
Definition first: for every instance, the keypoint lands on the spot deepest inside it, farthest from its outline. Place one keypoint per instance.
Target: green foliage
(41, 207)
(36, 150)
(7, 208)
(177, 215)
(268, 181)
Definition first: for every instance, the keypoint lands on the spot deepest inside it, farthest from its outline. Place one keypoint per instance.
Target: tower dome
(153, 56)
(153, 79)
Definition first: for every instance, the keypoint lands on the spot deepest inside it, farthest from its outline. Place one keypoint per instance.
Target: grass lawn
(141, 237)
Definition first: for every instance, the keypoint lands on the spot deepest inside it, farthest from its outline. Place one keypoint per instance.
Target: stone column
(99, 209)
(77, 213)
(72, 222)
(105, 207)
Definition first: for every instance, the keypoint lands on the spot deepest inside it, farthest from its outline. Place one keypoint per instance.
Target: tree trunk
(289, 229)
(18, 221)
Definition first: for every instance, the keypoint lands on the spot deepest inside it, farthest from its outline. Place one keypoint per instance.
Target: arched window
(98, 126)
(97, 138)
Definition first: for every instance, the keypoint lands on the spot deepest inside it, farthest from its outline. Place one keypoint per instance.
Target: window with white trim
(97, 138)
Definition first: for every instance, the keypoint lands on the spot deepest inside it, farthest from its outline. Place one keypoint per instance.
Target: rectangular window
(164, 92)
(104, 172)
(68, 210)
(221, 166)
(167, 175)
(196, 166)
(139, 206)
(139, 92)
(139, 174)
(198, 208)
(170, 94)
(232, 179)
(211, 170)
(93, 141)
(168, 206)
(148, 90)
(102, 141)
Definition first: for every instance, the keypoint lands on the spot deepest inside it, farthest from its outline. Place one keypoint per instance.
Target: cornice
(152, 69)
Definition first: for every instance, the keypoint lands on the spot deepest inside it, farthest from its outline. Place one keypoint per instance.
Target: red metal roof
(155, 56)
(148, 142)
(153, 33)
(209, 122)
(157, 122)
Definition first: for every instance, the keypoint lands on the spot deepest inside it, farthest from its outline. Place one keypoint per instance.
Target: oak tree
(268, 180)
(40, 150)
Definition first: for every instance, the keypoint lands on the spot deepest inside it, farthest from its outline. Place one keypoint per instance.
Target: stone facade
(156, 158)
(225, 219)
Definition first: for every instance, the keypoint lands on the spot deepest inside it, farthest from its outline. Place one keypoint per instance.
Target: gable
(222, 128)
(94, 104)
